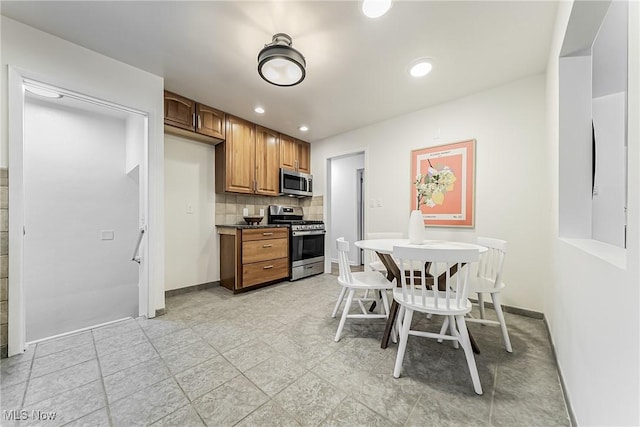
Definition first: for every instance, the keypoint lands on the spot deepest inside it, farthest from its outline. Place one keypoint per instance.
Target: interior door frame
(360, 197)
(17, 313)
(328, 202)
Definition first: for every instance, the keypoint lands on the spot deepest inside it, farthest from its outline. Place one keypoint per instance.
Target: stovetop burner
(292, 215)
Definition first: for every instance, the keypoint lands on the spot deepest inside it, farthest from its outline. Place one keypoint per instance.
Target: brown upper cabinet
(185, 117)
(267, 162)
(295, 154)
(248, 160)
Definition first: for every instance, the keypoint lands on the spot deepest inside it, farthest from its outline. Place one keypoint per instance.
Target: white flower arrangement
(431, 188)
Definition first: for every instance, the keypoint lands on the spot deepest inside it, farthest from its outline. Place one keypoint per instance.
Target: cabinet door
(240, 156)
(288, 152)
(304, 157)
(267, 162)
(210, 121)
(179, 111)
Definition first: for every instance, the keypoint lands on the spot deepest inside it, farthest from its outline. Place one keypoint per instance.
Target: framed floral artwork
(443, 184)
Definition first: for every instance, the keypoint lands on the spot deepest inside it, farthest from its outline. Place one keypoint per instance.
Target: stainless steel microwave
(295, 184)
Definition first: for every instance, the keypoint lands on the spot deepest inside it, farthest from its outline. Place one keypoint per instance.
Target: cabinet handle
(266, 267)
(199, 122)
(267, 234)
(267, 246)
(193, 120)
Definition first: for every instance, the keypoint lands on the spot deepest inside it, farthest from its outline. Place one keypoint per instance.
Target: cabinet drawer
(262, 250)
(263, 272)
(264, 233)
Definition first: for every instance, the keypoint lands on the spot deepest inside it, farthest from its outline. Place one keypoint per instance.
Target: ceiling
(356, 66)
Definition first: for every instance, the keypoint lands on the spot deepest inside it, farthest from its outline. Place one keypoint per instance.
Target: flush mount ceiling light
(303, 128)
(280, 64)
(420, 67)
(259, 110)
(375, 8)
(46, 93)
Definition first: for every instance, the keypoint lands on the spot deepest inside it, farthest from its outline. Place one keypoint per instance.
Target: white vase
(416, 228)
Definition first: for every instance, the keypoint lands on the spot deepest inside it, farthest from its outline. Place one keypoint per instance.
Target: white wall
(591, 303)
(609, 52)
(192, 256)
(575, 155)
(344, 203)
(609, 196)
(512, 200)
(66, 65)
(75, 188)
(134, 149)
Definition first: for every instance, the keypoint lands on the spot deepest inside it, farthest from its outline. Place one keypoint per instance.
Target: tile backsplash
(229, 207)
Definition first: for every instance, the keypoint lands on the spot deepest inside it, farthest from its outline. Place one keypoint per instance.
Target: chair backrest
(492, 261)
(454, 295)
(343, 261)
(370, 256)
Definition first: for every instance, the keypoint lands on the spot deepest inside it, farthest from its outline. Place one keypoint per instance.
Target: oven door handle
(308, 233)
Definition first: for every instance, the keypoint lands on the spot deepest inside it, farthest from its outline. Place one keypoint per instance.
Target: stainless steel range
(306, 240)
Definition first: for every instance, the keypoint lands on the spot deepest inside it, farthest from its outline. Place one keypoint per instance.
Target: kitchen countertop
(243, 226)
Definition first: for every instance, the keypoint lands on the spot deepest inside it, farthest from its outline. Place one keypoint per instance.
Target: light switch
(106, 235)
(189, 208)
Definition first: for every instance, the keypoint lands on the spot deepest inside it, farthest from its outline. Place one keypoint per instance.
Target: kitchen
(517, 110)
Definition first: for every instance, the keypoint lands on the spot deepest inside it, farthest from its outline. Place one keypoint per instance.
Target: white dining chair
(452, 302)
(372, 263)
(358, 281)
(489, 281)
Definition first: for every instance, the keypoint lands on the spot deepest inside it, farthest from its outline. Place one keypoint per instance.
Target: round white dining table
(385, 246)
(384, 249)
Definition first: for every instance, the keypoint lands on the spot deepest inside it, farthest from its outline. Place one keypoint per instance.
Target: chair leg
(404, 337)
(345, 312)
(340, 298)
(443, 329)
(385, 302)
(481, 304)
(452, 329)
(468, 352)
(399, 320)
(503, 325)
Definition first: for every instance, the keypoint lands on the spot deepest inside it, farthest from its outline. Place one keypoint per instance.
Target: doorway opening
(346, 182)
(79, 193)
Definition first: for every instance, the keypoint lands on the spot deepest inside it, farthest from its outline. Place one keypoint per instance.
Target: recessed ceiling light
(420, 67)
(43, 92)
(303, 128)
(259, 110)
(375, 8)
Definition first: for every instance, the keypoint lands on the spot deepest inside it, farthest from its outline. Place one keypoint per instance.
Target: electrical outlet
(107, 234)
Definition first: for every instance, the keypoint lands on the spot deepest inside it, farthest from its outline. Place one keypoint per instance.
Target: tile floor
(267, 358)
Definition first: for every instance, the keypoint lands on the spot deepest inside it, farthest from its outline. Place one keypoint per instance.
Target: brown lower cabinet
(251, 257)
